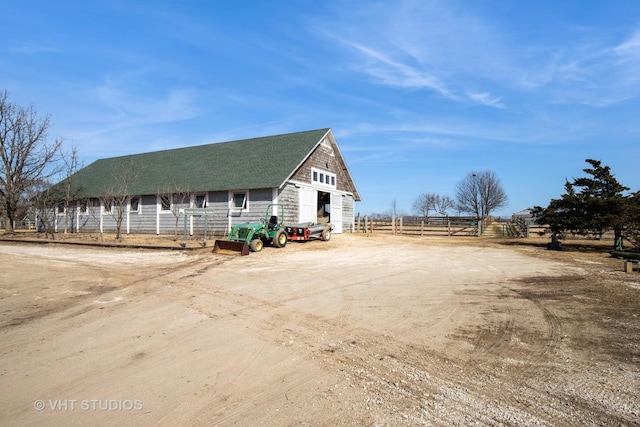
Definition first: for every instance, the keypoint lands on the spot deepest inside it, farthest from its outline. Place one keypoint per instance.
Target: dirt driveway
(355, 331)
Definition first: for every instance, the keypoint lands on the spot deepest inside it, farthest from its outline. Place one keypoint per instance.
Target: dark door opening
(324, 207)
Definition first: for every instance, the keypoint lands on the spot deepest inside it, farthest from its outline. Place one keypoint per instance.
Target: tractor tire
(280, 239)
(326, 234)
(256, 245)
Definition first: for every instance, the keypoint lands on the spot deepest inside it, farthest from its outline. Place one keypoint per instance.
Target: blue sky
(418, 93)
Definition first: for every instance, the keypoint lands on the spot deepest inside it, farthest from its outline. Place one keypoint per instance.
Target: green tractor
(252, 236)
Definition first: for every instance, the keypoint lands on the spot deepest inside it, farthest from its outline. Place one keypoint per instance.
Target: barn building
(235, 181)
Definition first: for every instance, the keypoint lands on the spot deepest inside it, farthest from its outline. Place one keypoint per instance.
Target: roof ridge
(288, 134)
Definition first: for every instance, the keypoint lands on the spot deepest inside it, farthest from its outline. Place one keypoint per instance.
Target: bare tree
(114, 204)
(424, 204)
(26, 155)
(394, 208)
(71, 166)
(42, 201)
(115, 199)
(480, 193)
(443, 204)
(175, 198)
(395, 211)
(427, 202)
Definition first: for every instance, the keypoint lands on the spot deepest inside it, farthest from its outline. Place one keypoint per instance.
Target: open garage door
(308, 205)
(336, 212)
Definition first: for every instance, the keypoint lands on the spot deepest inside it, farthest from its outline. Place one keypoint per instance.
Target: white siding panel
(336, 212)
(308, 202)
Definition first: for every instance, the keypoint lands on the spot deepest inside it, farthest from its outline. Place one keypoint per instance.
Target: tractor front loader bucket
(229, 247)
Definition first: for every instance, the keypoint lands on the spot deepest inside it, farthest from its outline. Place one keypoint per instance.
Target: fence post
(366, 225)
(422, 228)
(448, 227)
(393, 224)
(401, 225)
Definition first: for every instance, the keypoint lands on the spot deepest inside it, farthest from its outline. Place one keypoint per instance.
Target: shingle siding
(348, 219)
(289, 197)
(326, 157)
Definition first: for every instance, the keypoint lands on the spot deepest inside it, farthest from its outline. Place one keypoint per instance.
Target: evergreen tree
(591, 205)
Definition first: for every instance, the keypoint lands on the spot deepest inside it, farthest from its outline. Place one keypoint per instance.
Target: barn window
(165, 203)
(82, 206)
(323, 178)
(200, 201)
(134, 204)
(239, 201)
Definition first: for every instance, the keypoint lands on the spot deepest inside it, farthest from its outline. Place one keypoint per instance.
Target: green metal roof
(265, 162)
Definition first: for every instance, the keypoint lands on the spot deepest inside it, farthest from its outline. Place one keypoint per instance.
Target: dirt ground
(361, 331)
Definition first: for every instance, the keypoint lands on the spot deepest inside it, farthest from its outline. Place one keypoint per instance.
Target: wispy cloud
(630, 47)
(129, 107)
(32, 47)
(439, 47)
(627, 65)
(420, 45)
(485, 98)
(395, 73)
(588, 71)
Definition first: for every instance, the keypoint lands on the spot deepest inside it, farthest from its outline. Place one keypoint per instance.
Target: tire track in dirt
(395, 377)
(577, 390)
(346, 307)
(517, 327)
(240, 405)
(231, 407)
(404, 382)
(527, 377)
(490, 344)
(239, 410)
(315, 337)
(510, 351)
(384, 366)
(554, 325)
(249, 302)
(111, 279)
(442, 314)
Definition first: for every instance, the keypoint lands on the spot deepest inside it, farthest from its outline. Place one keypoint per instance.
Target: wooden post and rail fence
(446, 226)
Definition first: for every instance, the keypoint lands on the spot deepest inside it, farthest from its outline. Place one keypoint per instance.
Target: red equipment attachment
(307, 231)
